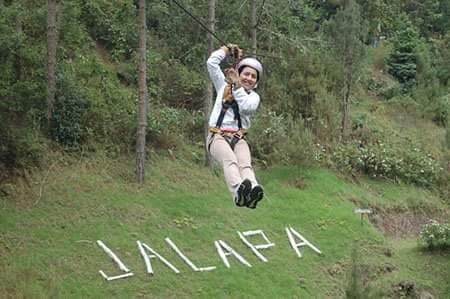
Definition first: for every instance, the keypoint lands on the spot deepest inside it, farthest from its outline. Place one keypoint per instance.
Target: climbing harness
(230, 136)
(228, 102)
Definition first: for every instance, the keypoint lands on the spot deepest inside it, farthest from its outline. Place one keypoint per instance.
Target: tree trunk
(209, 88)
(142, 104)
(348, 79)
(345, 114)
(253, 28)
(52, 43)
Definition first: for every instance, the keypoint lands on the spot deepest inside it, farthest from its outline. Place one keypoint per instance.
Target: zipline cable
(198, 21)
(212, 33)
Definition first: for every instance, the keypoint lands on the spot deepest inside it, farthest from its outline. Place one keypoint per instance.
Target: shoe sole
(256, 195)
(244, 189)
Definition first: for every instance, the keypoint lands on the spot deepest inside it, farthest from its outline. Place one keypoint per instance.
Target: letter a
(143, 248)
(291, 232)
(186, 259)
(221, 245)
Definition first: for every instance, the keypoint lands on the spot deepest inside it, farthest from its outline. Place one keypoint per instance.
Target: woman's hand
(232, 49)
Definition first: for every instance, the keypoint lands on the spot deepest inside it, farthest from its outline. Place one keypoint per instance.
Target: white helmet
(253, 63)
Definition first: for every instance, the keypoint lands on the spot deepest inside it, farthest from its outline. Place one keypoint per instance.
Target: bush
(111, 117)
(68, 121)
(435, 235)
(408, 164)
(171, 127)
(112, 24)
(441, 110)
(277, 138)
(20, 148)
(181, 86)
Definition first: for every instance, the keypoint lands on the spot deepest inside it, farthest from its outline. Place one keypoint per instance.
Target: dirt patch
(409, 289)
(401, 224)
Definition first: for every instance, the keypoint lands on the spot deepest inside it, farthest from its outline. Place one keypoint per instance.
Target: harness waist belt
(216, 130)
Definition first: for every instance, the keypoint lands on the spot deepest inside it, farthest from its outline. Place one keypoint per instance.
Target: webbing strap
(225, 106)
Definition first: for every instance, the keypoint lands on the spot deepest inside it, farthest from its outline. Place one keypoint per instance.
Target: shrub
(113, 24)
(111, 117)
(435, 235)
(441, 110)
(447, 137)
(67, 125)
(172, 127)
(408, 164)
(278, 138)
(20, 148)
(186, 86)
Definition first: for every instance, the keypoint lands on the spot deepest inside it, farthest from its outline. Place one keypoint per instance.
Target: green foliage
(357, 285)
(22, 79)
(96, 102)
(346, 32)
(383, 160)
(432, 97)
(279, 138)
(171, 128)
(72, 34)
(355, 289)
(91, 198)
(304, 84)
(70, 110)
(430, 16)
(166, 21)
(180, 86)
(447, 137)
(112, 106)
(20, 148)
(114, 24)
(384, 86)
(442, 58)
(327, 123)
(434, 105)
(375, 79)
(403, 59)
(380, 16)
(435, 235)
(306, 92)
(22, 86)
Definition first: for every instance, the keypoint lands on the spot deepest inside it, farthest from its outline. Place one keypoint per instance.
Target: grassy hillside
(48, 231)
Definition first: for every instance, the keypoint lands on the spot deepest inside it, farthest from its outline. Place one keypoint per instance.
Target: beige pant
(237, 163)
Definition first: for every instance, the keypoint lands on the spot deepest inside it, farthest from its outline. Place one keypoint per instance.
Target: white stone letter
(142, 249)
(291, 232)
(186, 259)
(221, 245)
(255, 248)
(117, 261)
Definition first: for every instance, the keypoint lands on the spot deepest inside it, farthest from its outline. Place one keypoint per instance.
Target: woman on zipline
(230, 119)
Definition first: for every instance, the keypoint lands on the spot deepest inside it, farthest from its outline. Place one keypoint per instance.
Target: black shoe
(242, 193)
(256, 194)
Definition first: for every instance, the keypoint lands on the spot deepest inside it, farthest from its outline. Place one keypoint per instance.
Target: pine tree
(403, 59)
(347, 31)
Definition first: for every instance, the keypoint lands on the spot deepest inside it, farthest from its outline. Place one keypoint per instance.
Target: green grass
(48, 249)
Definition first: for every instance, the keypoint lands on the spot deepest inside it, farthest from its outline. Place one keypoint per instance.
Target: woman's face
(248, 77)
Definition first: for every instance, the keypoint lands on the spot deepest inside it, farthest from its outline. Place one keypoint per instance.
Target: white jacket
(248, 102)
